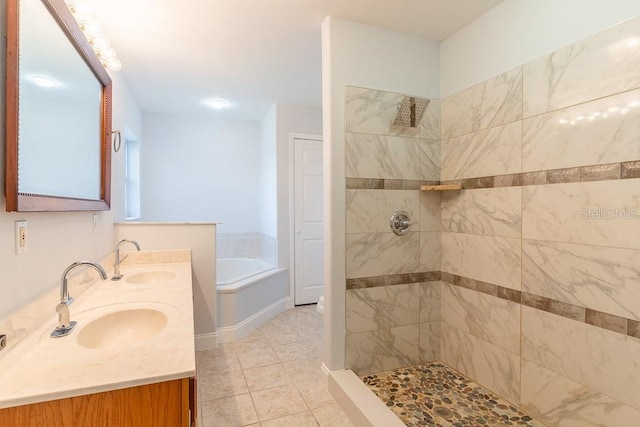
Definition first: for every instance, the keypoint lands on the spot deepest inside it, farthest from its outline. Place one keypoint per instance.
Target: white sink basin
(150, 277)
(122, 328)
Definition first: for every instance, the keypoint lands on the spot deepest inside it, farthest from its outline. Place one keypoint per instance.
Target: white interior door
(308, 244)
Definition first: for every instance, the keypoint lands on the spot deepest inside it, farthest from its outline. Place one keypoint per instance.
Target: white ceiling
(251, 53)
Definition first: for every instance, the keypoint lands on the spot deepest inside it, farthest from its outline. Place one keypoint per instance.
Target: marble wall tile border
(630, 170)
(633, 328)
(606, 321)
(586, 315)
(386, 184)
(497, 291)
(603, 172)
(392, 279)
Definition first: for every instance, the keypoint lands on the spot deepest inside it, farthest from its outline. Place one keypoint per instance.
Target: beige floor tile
(203, 355)
(304, 370)
(222, 385)
(251, 343)
(314, 394)
(303, 419)
(260, 330)
(290, 351)
(257, 357)
(278, 402)
(215, 362)
(331, 416)
(233, 411)
(284, 336)
(281, 393)
(315, 335)
(298, 350)
(222, 349)
(263, 377)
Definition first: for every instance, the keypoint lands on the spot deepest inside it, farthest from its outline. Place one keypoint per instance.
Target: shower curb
(360, 404)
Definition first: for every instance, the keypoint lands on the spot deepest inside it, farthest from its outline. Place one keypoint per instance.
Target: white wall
(200, 169)
(518, 31)
(56, 239)
(268, 174)
(359, 55)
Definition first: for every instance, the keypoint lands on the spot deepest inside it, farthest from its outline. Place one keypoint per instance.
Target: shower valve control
(400, 223)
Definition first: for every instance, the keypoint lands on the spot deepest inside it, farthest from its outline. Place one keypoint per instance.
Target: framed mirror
(58, 113)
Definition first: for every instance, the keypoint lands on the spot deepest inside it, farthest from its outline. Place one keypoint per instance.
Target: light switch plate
(21, 237)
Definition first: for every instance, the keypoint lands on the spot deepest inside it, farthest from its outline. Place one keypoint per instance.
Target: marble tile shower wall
(246, 245)
(393, 288)
(540, 254)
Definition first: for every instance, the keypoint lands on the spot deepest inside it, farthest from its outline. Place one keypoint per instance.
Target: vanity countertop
(38, 368)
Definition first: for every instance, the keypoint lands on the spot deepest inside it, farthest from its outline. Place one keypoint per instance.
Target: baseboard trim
(207, 341)
(325, 375)
(233, 333)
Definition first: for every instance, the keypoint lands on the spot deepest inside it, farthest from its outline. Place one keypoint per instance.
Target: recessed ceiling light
(216, 104)
(43, 81)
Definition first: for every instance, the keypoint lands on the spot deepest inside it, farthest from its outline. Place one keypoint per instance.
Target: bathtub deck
(433, 394)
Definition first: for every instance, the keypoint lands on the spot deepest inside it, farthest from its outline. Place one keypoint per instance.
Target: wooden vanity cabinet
(165, 404)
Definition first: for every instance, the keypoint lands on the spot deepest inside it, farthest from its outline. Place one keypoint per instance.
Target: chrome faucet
(65, 325)
(116, 266)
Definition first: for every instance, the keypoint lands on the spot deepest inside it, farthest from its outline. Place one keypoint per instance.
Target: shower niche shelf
(441, 187)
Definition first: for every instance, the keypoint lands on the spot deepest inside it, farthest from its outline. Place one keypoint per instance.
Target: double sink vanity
(130, 360)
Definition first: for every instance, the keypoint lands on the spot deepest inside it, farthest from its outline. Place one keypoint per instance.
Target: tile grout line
(264, 338)
(521, 337)
(280, 361)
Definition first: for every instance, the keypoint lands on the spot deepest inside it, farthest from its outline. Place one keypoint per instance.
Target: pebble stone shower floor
(433, 394)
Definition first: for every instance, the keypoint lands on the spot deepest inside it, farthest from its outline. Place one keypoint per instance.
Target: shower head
(410, 112)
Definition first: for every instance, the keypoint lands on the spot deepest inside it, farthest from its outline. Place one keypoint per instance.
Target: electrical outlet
(95, 223)
(21, 237)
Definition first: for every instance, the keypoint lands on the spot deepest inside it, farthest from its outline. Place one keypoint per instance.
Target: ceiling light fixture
(100, 44)
(216, 104)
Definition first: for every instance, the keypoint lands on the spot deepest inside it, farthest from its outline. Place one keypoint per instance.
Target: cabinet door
(164, 404)
(193, 401)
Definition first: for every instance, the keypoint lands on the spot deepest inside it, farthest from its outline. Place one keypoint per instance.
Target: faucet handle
(66, 303)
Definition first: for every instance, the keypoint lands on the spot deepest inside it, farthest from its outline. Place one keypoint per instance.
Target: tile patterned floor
(270, 378)
(435, 395)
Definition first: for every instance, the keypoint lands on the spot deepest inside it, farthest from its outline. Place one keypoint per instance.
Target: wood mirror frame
(24, 202)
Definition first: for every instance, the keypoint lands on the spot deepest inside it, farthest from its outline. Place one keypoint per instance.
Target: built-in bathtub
(250, 292)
